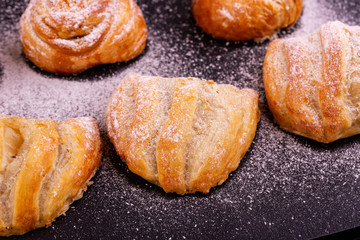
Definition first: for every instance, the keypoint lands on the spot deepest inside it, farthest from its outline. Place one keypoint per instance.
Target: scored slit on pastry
(311, 82)
(184, 134)
(44, 167)
(68, 37)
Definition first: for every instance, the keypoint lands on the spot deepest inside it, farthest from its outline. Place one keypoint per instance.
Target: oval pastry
(242, 20)
(44, 167)
(183, 134)
(68, 37)
(312, 82)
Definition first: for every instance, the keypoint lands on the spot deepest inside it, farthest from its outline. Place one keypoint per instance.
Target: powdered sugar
(74, 22)
(226, 14)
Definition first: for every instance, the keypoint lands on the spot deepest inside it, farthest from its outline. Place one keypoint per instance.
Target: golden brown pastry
(183, 134)
(44, 167)
(312, 83)
(68, 36)
(242, 20)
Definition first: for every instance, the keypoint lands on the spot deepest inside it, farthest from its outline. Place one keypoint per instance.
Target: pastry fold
(68, 37)
(44, 167)
(183, 134)
(242, 20)
(312, 83)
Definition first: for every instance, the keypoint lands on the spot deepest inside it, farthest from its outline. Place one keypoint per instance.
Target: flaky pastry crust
(45, 165)
(242, 20)
(312, 82)
(183, 134)
(68, 37)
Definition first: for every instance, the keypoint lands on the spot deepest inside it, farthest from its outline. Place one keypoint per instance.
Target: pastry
(183, 134)
(242, 20)
(68, 37)
(44, 167)
(312, 82)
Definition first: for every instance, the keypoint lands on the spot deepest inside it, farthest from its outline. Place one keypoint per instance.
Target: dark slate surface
(286, 187)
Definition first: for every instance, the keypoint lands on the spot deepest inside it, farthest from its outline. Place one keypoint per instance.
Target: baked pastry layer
(183, 134)
(312, 83)
(44, 167)
(242, 20)
(68, 37)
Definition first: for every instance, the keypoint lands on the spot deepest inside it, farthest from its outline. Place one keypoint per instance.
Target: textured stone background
(286, 187)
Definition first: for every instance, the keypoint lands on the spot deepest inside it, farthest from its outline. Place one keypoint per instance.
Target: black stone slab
(286, 187)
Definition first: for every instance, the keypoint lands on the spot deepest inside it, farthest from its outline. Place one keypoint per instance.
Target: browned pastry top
(184, 134)
(68, 37)
(242, 20)
(312, 82)
(44, 167)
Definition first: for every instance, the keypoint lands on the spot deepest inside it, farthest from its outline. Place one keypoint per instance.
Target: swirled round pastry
(44, 166)
(242, 20)
(69, 36)
(183, 134)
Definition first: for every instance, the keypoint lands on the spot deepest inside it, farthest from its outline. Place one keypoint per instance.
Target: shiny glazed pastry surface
(312, 83)
(68, 37)
(44, 166)
(242, 20)
(183, 134)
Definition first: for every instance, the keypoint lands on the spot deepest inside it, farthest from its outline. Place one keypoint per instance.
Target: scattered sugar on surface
(286, 186)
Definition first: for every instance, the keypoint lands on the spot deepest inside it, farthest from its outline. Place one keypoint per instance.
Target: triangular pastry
(183, 134)
(44, 166)
(312, 82)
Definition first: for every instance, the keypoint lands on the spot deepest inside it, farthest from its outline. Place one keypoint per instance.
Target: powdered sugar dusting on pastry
(226, 14)
(57, 39)
(71, 24)
(287, 187)
(89, 126)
